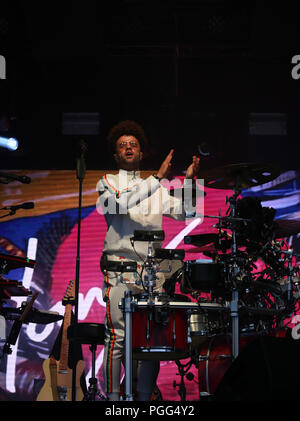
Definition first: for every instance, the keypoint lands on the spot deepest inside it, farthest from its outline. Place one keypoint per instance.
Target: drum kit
(247, 286)
(26, 313)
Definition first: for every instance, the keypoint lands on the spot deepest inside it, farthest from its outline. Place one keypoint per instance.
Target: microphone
(22, 178)
(26, 205)
(82, 146)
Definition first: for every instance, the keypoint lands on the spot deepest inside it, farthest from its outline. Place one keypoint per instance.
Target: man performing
(131, 203)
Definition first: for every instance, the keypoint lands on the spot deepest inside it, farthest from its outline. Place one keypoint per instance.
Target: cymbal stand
(235, 295)
(182, 371)
(151, 270)
(289, 253)
(290, 298)
(127, 307)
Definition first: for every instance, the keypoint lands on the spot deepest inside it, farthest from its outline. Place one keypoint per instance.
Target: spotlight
(9, 143)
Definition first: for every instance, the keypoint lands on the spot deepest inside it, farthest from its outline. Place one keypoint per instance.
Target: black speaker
(267, 369)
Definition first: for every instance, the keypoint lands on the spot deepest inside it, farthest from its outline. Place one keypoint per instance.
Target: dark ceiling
(190, 71)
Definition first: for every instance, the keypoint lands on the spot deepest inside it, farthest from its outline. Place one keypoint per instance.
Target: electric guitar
(58, 375)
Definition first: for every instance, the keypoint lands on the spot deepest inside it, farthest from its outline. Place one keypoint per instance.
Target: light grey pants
(147, 371)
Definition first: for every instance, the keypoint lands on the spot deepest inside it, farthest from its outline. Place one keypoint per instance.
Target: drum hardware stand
(182, 371)
(127, 307)
(235, 295)
(290, 300)
(149, 236)
(289, 254)
(150, 269)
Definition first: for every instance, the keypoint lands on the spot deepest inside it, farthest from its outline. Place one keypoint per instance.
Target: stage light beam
(9, 143)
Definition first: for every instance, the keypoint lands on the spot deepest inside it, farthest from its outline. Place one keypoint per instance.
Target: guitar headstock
(69, 297)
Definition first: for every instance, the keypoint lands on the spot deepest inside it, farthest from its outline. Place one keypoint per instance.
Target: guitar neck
(64, 349)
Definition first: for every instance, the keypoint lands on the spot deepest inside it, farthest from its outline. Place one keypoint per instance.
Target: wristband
(156, 176)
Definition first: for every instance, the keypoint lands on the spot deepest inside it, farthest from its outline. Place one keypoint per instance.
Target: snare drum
(160, 333)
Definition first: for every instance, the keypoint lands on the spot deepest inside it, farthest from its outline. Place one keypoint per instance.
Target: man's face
(128, 153)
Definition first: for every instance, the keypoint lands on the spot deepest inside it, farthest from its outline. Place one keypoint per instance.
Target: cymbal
(286, 227)
(208, 243)
(33, 316)
(200, 239)
(11, 288)
(242, 175)
(209, 248)
(8, 262)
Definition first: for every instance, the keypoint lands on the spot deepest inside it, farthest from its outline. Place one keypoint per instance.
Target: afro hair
(126, 127)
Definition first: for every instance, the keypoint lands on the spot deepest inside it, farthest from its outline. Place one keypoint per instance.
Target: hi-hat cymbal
(242, 175)
(33, 316)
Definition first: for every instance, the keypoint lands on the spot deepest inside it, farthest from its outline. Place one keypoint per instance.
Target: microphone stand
(80, 172)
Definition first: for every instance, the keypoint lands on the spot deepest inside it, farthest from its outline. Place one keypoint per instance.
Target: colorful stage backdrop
(48, 234)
